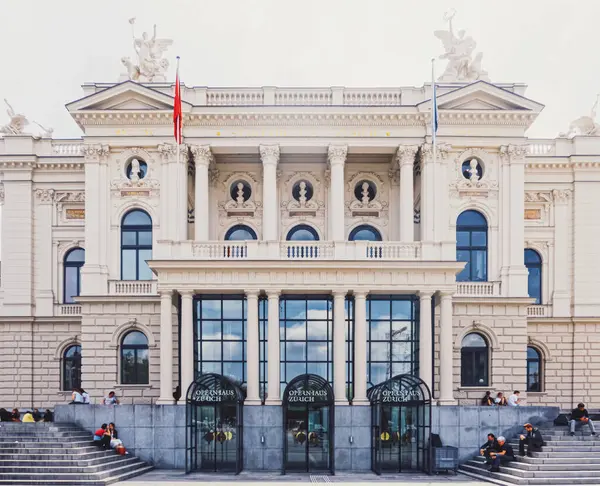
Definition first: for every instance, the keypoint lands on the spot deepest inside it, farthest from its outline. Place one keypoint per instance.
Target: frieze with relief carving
(302, 199)
(367, 199)
(239, 199)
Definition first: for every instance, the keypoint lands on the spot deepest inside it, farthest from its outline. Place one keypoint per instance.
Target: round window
(365, 191)
(136, 169)
(302, 189)
(472, 169)
(240, 191)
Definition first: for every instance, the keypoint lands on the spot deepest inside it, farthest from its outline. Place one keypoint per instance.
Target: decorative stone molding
(45, 165)
(45, 196)
(561, 196)
(302, 207)
(366, 208)
(513, 153)
(542, 348)
(169, 151)
(122, 186)
(62, 347)
(244, 211)
(202, 154)
(543, 198)
(406, 154)
(132, 325)
(336, 154)
(269, 154)
(65, 246)
(394, 175)
(69, 196)
(467, 188)
(95, 150)
(213, 176)
(442, 149)
(480, 328)
(1, 192)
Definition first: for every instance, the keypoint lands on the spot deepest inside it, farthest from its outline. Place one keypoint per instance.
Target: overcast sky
(50, 48)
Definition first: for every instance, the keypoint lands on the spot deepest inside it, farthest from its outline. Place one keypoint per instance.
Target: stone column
(166, 349)
(427, 193)
(202, 159)
(44, 297)
(360, 349)
(188, 373)
(516, 273)
(446, 351)
(269, 154)
(339, 347)
(425, 339)
(274, 359)
(561, 297)
(406, 159)
(337, 159)
(252, 347)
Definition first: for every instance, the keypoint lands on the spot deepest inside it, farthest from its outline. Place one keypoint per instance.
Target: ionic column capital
(336, 154)
(164, 293)
(269, 154)
(339, 292)
(252, 293)
(186, 294)
(202, 155)
(273, 294)
(360, 294)
(425, 294)
(514, 153)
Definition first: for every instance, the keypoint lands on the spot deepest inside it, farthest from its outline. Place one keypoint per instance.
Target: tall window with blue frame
(349, 348)
(472, 246)
(136, 245)
(220, 336)
(263, 351)
(533, 262)
(306, 337)
(73, 262)
(393, 337)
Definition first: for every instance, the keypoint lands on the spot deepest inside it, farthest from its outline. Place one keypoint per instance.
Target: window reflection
(220, 336)
(392, 337)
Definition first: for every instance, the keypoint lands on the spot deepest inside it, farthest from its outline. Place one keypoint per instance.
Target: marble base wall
(156, 433)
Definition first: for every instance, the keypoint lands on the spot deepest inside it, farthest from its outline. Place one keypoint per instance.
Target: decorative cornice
(170, 149)
(47, 165)
(561, 196)
(514, 152)
(202, 154)
(336, 154)
(269, 154)
(69, 196)
(45, 195)
(406, 154)
(443, 149)
(95, 150)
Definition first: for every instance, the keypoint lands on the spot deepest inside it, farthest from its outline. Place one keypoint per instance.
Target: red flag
(177, 117)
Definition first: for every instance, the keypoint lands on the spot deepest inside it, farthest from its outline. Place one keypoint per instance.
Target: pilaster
(269, 155)
(274, 358)
(252, 346)
(360, 349)
(339, 347)
(188, 373)
(166, 348)
(337, 159)
(446, 351)
(425, 339)
(561, 297)
(44, 268)
(174, 202)
(203, 157)
(405, 156)
(94, 274)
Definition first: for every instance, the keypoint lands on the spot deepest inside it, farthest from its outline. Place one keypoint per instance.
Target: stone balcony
(289, 250)
(478, 289)
(132, 287)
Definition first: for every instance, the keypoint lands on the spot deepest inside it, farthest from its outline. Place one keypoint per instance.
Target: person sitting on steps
(533, 440)
(500, 400)
(503, 454)
(581, 416)
(487, 400)
(489, 446)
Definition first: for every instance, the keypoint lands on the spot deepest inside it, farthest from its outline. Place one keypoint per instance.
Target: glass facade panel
(306, 325)
(393, 334)
(220, 336)
(136, 246)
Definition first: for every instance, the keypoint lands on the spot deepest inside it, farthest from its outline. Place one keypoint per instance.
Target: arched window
(73, 262)
(134, 359)
(533, 262)
(302, 232)
(364, 232)
(472, 246)
(474, 361)
(240, 232)
(71, 367)
(136, 245)
(534, 370)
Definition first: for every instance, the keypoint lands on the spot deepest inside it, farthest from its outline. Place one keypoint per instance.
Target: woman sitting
(15, 416)
(102, 437)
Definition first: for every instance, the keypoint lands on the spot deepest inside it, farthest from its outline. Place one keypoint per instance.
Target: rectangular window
(220, 336)
(393, 334)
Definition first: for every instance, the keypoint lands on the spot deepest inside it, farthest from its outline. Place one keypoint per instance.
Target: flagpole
(434, 116)
(178, 123)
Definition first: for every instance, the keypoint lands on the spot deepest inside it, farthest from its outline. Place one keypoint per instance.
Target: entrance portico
(273, 279)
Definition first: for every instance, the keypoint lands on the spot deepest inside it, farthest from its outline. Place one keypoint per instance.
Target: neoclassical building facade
(300, 231)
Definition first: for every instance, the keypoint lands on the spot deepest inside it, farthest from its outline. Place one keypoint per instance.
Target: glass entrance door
(218, 430)
(308, 438)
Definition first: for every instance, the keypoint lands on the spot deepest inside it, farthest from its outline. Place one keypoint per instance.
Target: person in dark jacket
(487, 400)
(5, 415)
(503, 454)
(533, 439)
(581, 416)
(489, 446)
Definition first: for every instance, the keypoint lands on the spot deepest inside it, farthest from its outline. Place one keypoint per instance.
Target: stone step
(47, 450)
(67, 476)
(48, 439)
(570, 466)
(45, 462)
(595, 453)
(64, 456)
(76, 482)
(484, 474)
(511, 469)
(55, 469)
(45, 445)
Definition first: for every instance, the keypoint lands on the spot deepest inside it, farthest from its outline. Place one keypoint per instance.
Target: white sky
(49, 48)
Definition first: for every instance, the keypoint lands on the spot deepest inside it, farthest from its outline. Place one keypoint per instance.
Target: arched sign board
(400, 390)
(308, 389)
(211, 389)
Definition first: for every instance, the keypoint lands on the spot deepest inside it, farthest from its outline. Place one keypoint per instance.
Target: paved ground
(162, 477)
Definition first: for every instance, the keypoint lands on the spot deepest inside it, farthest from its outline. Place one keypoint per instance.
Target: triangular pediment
(483, 96)
(128, 96)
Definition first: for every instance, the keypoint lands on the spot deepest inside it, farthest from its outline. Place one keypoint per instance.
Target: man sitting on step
(490, 446)
(504, 454)
(581, 416)
(533, 440)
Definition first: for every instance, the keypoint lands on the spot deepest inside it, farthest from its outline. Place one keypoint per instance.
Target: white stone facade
(64, 194)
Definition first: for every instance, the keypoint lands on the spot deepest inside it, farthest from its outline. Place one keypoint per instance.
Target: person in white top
(514, 400)
(76, 396)
(85, 396)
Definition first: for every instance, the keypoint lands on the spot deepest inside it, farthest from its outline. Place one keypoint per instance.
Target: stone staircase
(563, 460)
(59, 454)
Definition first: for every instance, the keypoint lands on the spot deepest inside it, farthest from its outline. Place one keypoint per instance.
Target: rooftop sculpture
(461, 67)
(584, 125)
(151, 67)
(17, 123)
